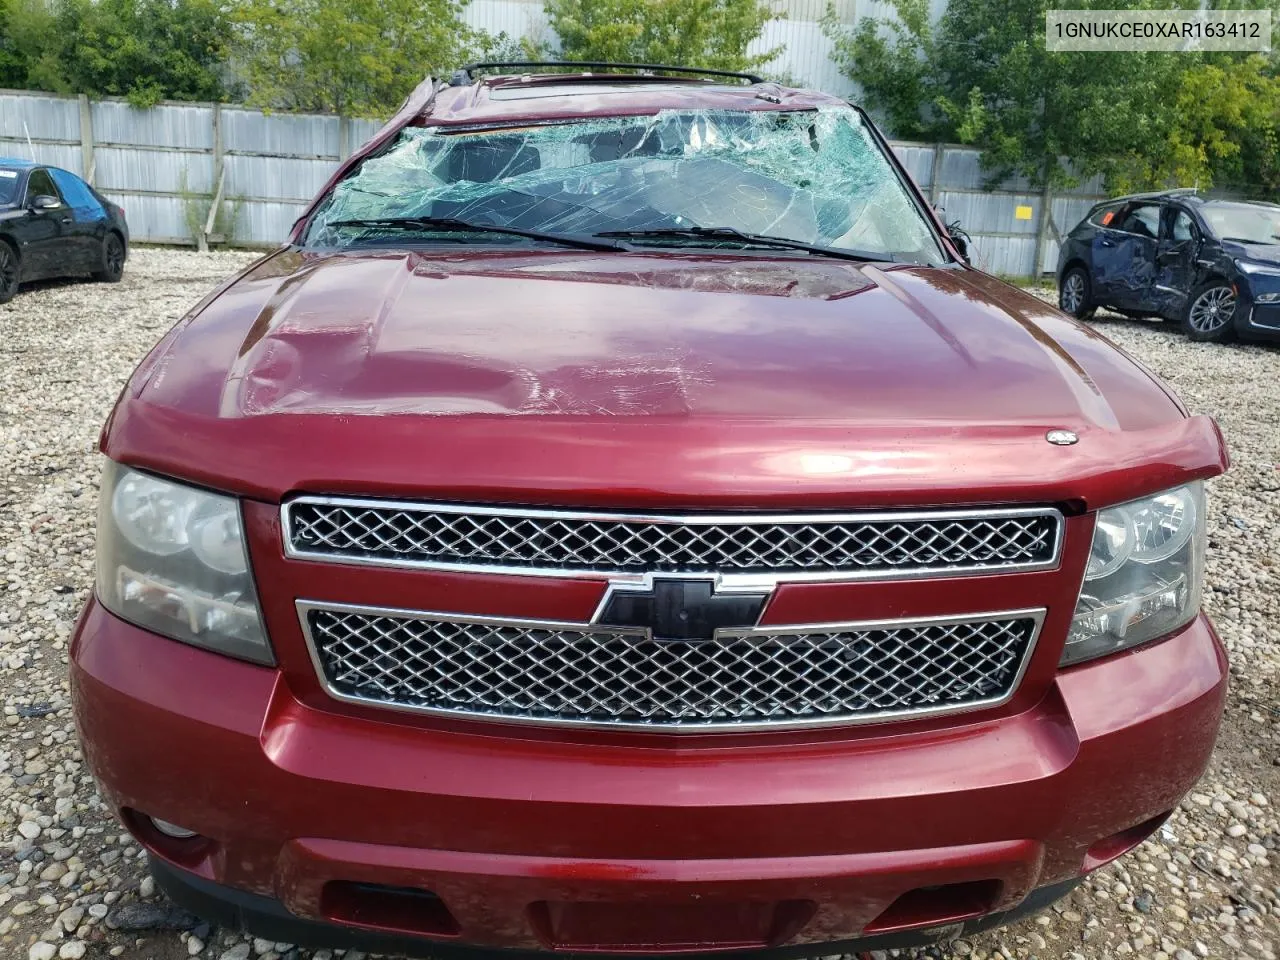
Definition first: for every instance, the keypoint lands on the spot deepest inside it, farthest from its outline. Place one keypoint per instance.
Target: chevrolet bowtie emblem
(680, 609)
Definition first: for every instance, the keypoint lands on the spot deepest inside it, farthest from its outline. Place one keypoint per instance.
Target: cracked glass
(813, 176)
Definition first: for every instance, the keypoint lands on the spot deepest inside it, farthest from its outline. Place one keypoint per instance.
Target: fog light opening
(172, 829)
(377, 906)
(938, 905)
(170, 841)
(1118, 844)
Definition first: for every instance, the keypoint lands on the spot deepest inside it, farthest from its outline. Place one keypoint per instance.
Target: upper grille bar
(531, 540)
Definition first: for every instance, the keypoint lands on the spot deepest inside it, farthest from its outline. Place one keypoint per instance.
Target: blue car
(53, 224)
(1212, 266)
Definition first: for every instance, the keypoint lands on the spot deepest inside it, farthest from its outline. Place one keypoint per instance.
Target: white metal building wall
(806, 51)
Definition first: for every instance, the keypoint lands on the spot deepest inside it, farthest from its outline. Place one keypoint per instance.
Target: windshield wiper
(759, 239)
(453, 224)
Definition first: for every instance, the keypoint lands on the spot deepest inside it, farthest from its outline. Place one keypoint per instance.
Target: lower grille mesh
(606, 676)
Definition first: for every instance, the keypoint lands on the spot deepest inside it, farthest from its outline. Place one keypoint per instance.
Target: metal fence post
(87, 163)
(935, 174)
(344, 137)
(219, 179)
(1043, 224)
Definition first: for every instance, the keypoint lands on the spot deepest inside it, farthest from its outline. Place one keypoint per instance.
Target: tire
(9, 272)
(112, 260)
(1075, 294)
(1210, 313)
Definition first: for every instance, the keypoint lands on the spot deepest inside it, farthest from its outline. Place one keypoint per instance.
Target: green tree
(347, 56)
(1051, 116)
(892, 61)
(13, 66)
(692, 33)
(981, 75)
(1227, 128)
(146, 50)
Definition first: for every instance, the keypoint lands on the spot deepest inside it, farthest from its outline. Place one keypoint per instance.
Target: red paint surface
(494, 821)
(517, 377)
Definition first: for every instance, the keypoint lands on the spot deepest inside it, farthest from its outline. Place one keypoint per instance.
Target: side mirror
(45, 202)
(960, 239)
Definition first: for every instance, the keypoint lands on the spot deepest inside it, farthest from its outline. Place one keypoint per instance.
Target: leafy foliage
(347, 56)
(13, 68)
(695, 33)
(981, 75)
(505, 48)
(146, 50)
(358, 57)
(890, 60)
(1228, 127)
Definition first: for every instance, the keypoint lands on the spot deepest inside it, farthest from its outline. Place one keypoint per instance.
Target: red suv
(619, 521)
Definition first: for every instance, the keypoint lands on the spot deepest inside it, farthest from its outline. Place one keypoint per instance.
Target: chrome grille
(602, 676)
(449, 536)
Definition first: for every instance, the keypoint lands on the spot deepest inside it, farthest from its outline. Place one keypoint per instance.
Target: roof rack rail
(462, 75)
(1152, 194)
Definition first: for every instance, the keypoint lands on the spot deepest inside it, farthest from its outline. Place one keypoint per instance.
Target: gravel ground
(72, 883)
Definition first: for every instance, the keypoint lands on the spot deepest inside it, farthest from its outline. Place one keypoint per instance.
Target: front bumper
(580, 843)
(267, 918)
(1258, 321)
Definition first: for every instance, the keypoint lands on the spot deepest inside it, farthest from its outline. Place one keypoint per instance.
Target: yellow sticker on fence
(1021, 213)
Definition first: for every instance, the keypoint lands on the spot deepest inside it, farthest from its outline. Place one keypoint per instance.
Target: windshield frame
(305, 229)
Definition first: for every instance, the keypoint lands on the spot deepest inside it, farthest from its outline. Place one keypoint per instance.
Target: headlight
(1144, 574)
(1258, 269)
(172, 559)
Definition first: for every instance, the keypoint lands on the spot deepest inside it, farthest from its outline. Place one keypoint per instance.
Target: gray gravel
(72, 883)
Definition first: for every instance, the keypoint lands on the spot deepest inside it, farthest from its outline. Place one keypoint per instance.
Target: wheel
(1210, 312)
(112, 260)
(1074, 294)
(8, 272)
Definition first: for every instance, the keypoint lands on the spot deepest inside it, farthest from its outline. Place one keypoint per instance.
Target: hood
(679, 359)
(1268, 253)
(637, 336)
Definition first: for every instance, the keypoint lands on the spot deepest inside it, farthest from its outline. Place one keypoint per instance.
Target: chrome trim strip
(1254, 325)
(725, 581)
(1036, 614)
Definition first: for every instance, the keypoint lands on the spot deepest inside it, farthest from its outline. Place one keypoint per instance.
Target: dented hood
(689, 357)
(611, 336)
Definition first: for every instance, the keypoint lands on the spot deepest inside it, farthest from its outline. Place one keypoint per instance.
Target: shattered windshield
(815, 177)
(1244, 222)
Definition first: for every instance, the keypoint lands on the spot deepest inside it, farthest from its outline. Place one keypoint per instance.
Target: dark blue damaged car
(53, 224)
(1212, 266)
